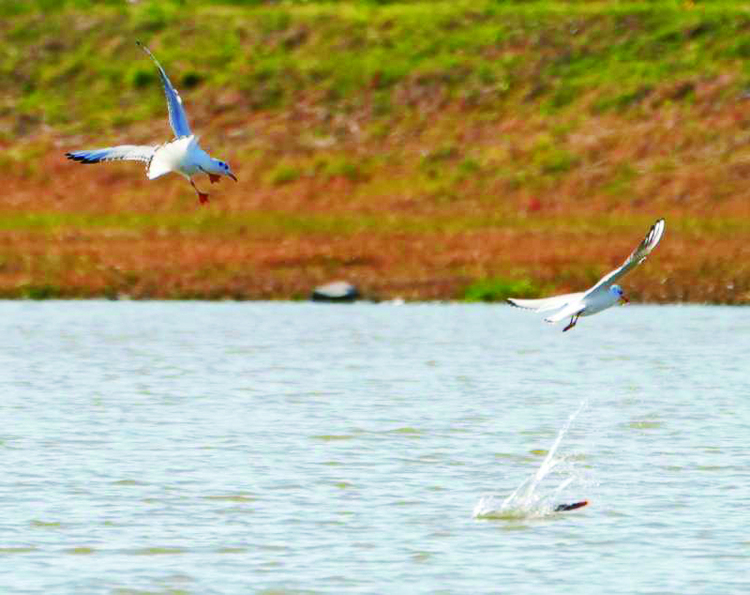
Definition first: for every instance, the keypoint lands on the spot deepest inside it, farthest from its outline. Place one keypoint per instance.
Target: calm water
(299, 448)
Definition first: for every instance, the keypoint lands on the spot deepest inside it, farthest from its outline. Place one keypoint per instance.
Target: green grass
(499, 289)
(273, 222)
(77, 70)
(285, 174)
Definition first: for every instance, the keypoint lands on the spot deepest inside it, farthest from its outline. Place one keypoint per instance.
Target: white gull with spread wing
(182, 155)
(602, 295)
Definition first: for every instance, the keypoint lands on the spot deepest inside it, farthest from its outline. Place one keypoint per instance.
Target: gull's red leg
(214, 178)
(202, 196)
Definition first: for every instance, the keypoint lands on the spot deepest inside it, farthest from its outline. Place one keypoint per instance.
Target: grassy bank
(427, 150)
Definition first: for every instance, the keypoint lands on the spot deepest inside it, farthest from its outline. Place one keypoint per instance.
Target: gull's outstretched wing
(121, 153)
(546, 304)
(177, 116)
(652, 239)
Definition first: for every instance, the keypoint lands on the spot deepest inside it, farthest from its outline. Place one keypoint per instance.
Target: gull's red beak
(231, 175)
(624, 300)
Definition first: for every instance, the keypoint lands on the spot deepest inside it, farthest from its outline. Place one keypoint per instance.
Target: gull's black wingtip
(658, 227)
(79, 158)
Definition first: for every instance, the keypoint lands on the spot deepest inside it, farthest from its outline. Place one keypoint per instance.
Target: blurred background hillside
(456, 149)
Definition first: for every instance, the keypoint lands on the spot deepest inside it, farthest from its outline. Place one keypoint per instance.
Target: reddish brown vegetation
(558, 200)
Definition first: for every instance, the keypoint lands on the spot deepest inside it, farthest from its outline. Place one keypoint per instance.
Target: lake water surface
(202, 448)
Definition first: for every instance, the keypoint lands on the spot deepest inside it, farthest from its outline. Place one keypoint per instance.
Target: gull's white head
(221, 168)
(618, 294)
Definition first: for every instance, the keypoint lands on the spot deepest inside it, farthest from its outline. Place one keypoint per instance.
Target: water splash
(526, 501)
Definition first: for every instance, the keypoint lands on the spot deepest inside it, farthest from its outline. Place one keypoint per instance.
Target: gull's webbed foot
(202, 196)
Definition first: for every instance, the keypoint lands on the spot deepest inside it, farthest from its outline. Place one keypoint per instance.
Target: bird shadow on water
(531, 500)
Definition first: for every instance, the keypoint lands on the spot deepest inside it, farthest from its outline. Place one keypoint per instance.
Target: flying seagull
(182, 155)
(602, 295)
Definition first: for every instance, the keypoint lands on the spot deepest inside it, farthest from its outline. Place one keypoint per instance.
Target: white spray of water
(525, 501)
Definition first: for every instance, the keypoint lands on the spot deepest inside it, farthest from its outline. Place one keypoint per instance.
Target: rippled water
(301, 448)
